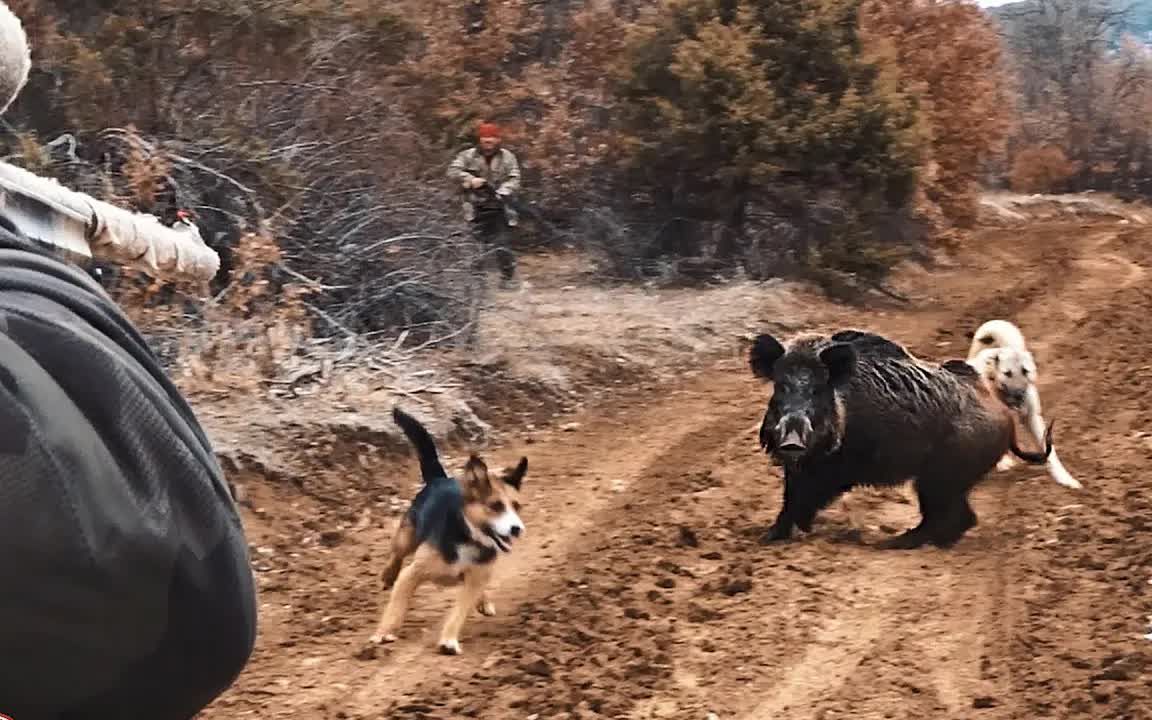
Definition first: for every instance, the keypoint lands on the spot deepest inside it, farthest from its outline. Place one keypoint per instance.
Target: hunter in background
(488, 175)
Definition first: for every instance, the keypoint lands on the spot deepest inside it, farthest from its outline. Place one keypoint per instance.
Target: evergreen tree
(727, 100)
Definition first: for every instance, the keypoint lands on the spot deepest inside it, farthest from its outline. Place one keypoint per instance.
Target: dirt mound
(998, 209)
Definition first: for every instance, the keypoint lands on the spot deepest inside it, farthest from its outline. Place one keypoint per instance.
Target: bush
(772, 102)
(1041, 169)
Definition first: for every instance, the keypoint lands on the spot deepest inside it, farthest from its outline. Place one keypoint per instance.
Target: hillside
(1135, 17)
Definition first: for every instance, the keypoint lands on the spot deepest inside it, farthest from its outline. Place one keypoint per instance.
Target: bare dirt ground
(640, 590)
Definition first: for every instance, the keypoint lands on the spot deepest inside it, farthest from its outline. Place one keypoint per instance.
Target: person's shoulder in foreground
(129, 592)
(134, 585)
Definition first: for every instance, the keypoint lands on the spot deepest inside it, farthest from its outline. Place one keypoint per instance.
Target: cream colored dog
(996, 334)
(999, 353)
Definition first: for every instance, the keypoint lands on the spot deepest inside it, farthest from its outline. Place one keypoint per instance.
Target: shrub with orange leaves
(949, 58)
(145, 174)
(1041, 169)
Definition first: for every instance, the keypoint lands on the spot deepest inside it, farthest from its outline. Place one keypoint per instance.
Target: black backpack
(136, 597)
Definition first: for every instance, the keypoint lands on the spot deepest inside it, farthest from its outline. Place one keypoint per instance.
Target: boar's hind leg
(937, 504)
(957, 521)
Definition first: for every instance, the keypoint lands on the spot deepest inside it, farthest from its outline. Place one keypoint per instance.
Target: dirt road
(640, 590)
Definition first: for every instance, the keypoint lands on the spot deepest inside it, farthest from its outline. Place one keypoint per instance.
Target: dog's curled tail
(1035, 458)
(430, 467)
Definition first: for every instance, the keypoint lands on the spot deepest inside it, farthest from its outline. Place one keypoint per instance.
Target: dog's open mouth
(503, 542)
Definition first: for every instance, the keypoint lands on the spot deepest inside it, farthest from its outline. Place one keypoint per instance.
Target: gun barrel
(47, 211)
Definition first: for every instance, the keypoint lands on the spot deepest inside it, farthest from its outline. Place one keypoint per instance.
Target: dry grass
(252, 330)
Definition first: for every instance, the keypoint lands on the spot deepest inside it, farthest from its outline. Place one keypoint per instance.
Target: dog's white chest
(470, 555)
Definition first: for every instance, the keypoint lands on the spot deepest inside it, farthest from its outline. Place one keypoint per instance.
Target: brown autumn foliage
(1128, 141)
(1041, 169)
(949, 57)
(251, 331)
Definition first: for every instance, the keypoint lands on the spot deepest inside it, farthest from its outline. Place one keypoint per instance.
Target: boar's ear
(765, 351)
(961, 368)
(840, 359)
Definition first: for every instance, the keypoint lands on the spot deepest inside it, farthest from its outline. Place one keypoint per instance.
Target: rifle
(490, 202)
(83, 226)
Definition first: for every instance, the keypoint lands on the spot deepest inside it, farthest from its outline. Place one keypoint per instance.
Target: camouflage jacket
(502, 173)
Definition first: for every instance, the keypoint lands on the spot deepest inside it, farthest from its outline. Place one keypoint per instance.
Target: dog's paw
(380, 638)
(485, 607)
(1006, 463)
(450, 647)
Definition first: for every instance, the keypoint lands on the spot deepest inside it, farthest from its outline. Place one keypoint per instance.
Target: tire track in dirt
(1079, 650)
(686, 679)
(835, 653)
(589, 620)
(592, 493)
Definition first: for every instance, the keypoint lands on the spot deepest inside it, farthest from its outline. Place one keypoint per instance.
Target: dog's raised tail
(1035, 458)
(430, 467)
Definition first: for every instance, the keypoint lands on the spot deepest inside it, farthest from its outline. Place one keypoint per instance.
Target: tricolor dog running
(456, 530)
